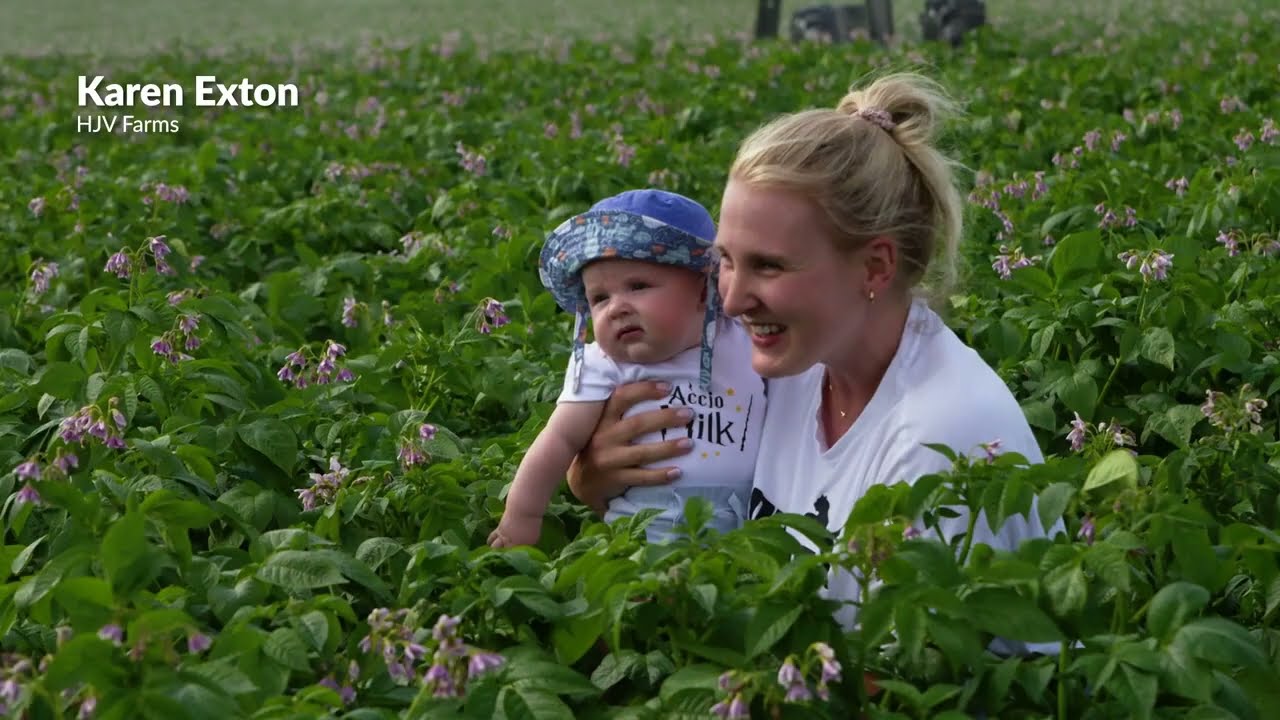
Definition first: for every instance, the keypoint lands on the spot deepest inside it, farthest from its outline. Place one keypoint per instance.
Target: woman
(830, 221)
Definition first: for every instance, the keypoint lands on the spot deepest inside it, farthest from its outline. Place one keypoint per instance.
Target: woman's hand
(610, 464)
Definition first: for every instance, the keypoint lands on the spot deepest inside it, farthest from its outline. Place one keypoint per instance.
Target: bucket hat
(648, 225)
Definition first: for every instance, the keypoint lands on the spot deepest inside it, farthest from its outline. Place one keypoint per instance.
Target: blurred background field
(132, 27)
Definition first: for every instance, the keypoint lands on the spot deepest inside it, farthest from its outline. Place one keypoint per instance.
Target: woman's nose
(733, 295)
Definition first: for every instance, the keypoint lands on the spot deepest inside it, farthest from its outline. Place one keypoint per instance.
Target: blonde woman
(829, 223)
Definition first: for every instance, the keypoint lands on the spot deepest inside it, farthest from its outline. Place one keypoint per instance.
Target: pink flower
(119, 264)
(1229, 240)
(349, 307)
(1269, 132)
(1087, 530)
(27, 495)
(198, 643)
(472, 162)
(1077, 434)
(28, 470)
(112, 633)
(482, 662)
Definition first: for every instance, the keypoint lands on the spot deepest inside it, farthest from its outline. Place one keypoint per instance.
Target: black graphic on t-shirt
(714, 421)
(762, 507)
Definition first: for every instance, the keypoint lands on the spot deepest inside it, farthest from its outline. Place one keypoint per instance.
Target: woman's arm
(610, 463)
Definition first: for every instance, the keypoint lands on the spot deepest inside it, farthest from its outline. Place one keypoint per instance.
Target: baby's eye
(597, 299)
(639, 285)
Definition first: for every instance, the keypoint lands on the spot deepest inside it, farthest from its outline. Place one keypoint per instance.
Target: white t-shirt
(728, 421)
(936, 390)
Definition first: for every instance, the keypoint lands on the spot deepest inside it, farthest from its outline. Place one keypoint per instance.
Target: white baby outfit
(725, 429)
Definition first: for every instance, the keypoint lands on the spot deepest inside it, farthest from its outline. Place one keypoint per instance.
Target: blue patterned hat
(649, 225)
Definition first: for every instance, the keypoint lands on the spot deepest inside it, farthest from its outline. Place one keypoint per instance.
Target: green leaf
(166, 506)
(1172, 606)
(70, 560)
(377, 550)
(286, 647)
(126, 557)
(1136, 690)
(84, 595)
(574, 636)
(87, 659)
(1110, 563)
(62, 380)
(1197, 560)
(1006, 614)
(1157, 346)
(313, 627)
(692, 677)
(1067, 587)
(1116, 466)
(296, 570)
(274, 439)
(1186, 675)
(1039, 413)
(1076, 256)
(1221, 641)
(16, 360)
(356, 571)
(20, 561)
(1174, 424)
(1053, 501)
(938, 694)
(909, 623)
(1079, 393)
(957, 639)
(615, 668)
(151, 390)
(768, 625)
(526, 703)
(223, 674)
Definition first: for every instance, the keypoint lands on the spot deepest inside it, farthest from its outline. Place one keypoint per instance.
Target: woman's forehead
(751, 215)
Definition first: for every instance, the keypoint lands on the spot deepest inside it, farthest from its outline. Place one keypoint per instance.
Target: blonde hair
(872, 166)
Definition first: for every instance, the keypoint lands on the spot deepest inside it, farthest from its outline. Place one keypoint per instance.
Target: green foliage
(230, 541)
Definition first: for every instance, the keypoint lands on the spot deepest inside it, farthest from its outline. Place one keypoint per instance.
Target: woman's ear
(877, 263)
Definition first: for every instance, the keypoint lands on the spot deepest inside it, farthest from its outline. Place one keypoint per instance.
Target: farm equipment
(941, 20)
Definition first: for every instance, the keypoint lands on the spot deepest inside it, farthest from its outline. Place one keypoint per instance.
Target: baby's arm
(543, 468)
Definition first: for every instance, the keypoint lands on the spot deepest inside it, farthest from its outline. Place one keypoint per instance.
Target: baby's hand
(514, 530)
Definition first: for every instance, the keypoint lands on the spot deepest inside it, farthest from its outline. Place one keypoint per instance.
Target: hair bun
(914, 105)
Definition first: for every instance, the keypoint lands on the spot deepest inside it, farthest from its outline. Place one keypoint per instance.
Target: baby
(640, 263)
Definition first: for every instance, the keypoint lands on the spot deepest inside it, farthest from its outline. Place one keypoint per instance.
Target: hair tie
(878, 117)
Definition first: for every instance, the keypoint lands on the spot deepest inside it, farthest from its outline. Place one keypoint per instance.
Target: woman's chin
(775, 362)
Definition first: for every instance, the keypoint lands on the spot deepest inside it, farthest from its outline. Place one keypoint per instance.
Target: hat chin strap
(579, 345)
(709, 326)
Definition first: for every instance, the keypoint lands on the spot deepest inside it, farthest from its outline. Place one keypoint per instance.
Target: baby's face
(644, 312)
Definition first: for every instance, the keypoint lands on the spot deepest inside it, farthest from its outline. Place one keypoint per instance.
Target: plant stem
(1062, 681)
(968, 535)
(1142, 307)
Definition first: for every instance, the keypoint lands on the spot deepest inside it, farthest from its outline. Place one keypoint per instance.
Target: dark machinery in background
(841, 23)
(941, 20)
(949, 20)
